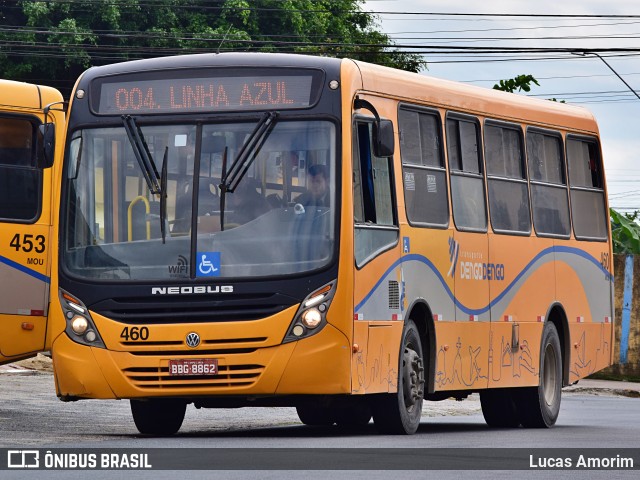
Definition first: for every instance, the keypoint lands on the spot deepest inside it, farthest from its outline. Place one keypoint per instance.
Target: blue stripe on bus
(470, 311)
(24, 269)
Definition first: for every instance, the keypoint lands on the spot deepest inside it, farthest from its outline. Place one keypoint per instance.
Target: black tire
(499, 408)
(315, 415)
(158, 416)
(399, 413)
(539, 406)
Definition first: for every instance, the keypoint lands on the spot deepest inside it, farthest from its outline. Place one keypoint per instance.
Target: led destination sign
(204, 94)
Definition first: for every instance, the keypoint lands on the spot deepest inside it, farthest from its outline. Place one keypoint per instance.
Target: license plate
(194, 366)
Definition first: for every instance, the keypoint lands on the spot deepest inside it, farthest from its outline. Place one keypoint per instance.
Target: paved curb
(16, 370)
(611, 387)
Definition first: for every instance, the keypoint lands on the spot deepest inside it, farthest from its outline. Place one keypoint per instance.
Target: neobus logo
(197, 290)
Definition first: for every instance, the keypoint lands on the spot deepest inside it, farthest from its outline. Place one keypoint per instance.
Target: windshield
(277, 219)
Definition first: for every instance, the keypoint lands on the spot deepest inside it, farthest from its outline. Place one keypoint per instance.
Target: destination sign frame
(206, 91)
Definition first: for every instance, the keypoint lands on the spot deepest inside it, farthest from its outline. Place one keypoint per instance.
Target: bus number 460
(135, 333)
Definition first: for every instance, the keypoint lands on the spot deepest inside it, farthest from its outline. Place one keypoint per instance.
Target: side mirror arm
(383, 138)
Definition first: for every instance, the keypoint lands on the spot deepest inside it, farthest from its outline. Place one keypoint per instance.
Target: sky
(580, 80)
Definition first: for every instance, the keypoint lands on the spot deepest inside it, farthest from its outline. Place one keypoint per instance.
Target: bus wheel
(539, 406)
(399, 413)
(159, 416)
(499, 408)
(315, 415)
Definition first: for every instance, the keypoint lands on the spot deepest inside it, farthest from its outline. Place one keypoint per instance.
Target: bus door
(25, 225)
(377, 278)
(469, 255)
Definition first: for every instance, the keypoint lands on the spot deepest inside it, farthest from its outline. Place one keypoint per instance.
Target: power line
(633, 193)
(110, 33)
(573, 94)
(567, 77)
(504, 15)
(511, 29)
(238, 8)
(616, 73)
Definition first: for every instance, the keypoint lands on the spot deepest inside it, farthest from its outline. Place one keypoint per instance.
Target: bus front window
(264, 225)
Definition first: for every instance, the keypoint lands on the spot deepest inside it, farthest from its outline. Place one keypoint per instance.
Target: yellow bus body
(497, 345)
(326, 363)
(25, 268)
(468, 354)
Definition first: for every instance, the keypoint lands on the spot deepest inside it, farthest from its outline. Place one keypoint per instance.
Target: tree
(625, 232)
(520, 83)
(53, 42)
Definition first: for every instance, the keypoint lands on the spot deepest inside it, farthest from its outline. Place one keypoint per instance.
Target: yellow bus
(31, 117)
(275, 230)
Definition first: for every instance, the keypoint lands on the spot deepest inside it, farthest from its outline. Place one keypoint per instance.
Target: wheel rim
(550, 375)
(413, 379)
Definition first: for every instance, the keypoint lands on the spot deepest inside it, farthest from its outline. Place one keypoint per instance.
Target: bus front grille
(167, 310)
(217, 346)
(229, 376)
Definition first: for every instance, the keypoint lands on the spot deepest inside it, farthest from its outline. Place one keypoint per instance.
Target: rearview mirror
(47, 145)
(383, 139)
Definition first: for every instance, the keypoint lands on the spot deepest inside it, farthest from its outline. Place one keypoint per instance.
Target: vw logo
(192, 340)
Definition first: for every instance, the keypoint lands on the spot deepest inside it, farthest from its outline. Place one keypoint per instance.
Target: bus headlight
(311, 315)
(311, 318)
(80, 326)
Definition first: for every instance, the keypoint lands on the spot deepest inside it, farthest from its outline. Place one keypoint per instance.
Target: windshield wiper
(223, 191)
(142, 154)
(163, 195)
(246, 155)
(148, 167)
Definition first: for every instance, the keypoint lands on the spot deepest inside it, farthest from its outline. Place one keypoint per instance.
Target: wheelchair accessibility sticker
(208, 264)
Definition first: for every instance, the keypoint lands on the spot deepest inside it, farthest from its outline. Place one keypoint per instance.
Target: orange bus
(31, 117)
(262, 230)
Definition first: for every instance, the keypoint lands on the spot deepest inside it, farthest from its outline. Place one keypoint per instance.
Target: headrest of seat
(213, 144)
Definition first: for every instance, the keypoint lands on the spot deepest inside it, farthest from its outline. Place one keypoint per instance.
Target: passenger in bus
(317, 194)
(293, 163)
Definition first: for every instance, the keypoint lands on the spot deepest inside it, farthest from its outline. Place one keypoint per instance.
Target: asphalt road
(32, 417)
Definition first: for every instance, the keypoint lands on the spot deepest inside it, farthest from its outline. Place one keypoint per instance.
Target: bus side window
(507, 180)
(586, 187)
(467, 181)
(376, 226)
(20, 180)
(424, 175)
(548, 185)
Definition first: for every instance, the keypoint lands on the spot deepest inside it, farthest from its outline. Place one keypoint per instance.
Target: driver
(317, 194)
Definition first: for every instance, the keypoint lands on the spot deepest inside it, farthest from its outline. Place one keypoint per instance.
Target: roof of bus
(26, 95)
(388, 81)
(474, 100)
(215, 59)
